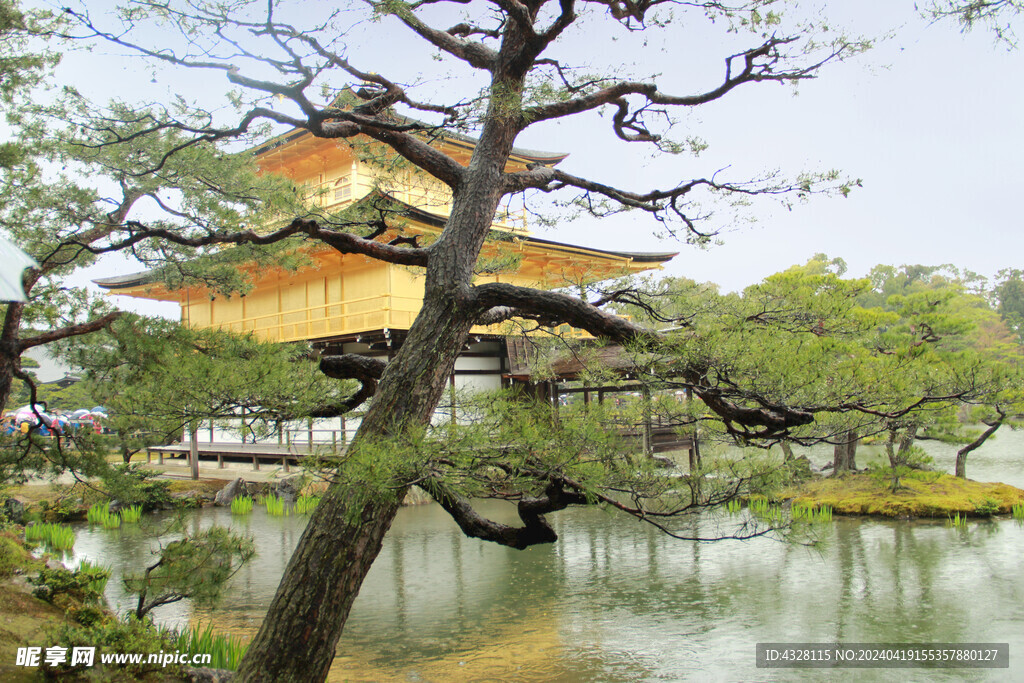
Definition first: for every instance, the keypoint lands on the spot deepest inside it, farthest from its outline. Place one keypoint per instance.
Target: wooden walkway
(657, 440)
(284, 454)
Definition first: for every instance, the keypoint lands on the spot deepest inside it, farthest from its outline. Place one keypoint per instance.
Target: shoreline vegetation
(922, 494)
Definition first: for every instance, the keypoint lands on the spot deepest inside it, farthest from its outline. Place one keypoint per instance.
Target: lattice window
(343, 189)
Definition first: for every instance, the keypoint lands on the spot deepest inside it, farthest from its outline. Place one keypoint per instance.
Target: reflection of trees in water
(614, 594)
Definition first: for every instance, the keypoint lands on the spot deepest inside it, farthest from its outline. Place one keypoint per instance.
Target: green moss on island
(923, 494)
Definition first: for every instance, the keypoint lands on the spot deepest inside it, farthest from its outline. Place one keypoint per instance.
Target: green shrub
(135, 485)
(62, 587)
(59, 510)
(111, 635)
(12, 556)
(987, 507)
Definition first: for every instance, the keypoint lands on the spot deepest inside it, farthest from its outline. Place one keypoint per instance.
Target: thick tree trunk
(297, 640)
(844, 455)
(10, 350)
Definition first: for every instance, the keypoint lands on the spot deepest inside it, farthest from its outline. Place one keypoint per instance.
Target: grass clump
(956, 521)
(241, 505)
(733, 506)
(810, 513)
(225, 651)
(97, 574)
(1018, 511)
(131, 515)
(275, 506)
(304, 505)
(56, 536)
(100, 514)
(97, 513)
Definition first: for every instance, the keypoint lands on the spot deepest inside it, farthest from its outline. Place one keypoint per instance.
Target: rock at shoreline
(206, 675)
(288, 489)
(14, 510)
(231, 490)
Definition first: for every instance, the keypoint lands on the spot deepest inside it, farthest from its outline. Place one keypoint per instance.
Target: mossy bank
(921, 494)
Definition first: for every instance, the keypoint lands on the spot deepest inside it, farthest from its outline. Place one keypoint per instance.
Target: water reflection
(615, 601)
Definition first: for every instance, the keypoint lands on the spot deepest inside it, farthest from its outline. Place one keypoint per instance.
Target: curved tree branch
(343, 242)
(351, 366)
(535, 529)
(68, 331)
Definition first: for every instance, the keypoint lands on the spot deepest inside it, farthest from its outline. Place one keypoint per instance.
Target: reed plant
(98, 576)
(733, 506)
(810, 514)
(957, 522)
(225, 651)
(275, 506)
(1018, 511)
(100, 514)
(131, 515)
(306, 504)
(56, 536)
(97, 513)
(241, 505)
(758, 506)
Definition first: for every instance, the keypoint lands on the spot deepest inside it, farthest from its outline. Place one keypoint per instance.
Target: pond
(614, 600)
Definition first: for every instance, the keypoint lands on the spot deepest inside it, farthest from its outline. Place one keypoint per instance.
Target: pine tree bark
(10, 350)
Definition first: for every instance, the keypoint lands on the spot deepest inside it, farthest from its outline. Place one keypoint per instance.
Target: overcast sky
(930, 119)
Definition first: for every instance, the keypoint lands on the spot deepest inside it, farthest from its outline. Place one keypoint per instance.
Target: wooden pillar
(451, 389)
(309, 432)
(694, 445)
(648, 432)
(220, 461)
(193, 450)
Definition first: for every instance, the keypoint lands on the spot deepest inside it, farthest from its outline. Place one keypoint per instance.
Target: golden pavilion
(346, 303)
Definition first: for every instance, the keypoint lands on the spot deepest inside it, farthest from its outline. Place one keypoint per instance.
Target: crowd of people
(47, 423)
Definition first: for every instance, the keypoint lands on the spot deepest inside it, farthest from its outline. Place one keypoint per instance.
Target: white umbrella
(13, 261)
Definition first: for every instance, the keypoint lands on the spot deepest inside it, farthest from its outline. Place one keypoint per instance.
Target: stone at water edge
(231, 490)
(288, 489)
